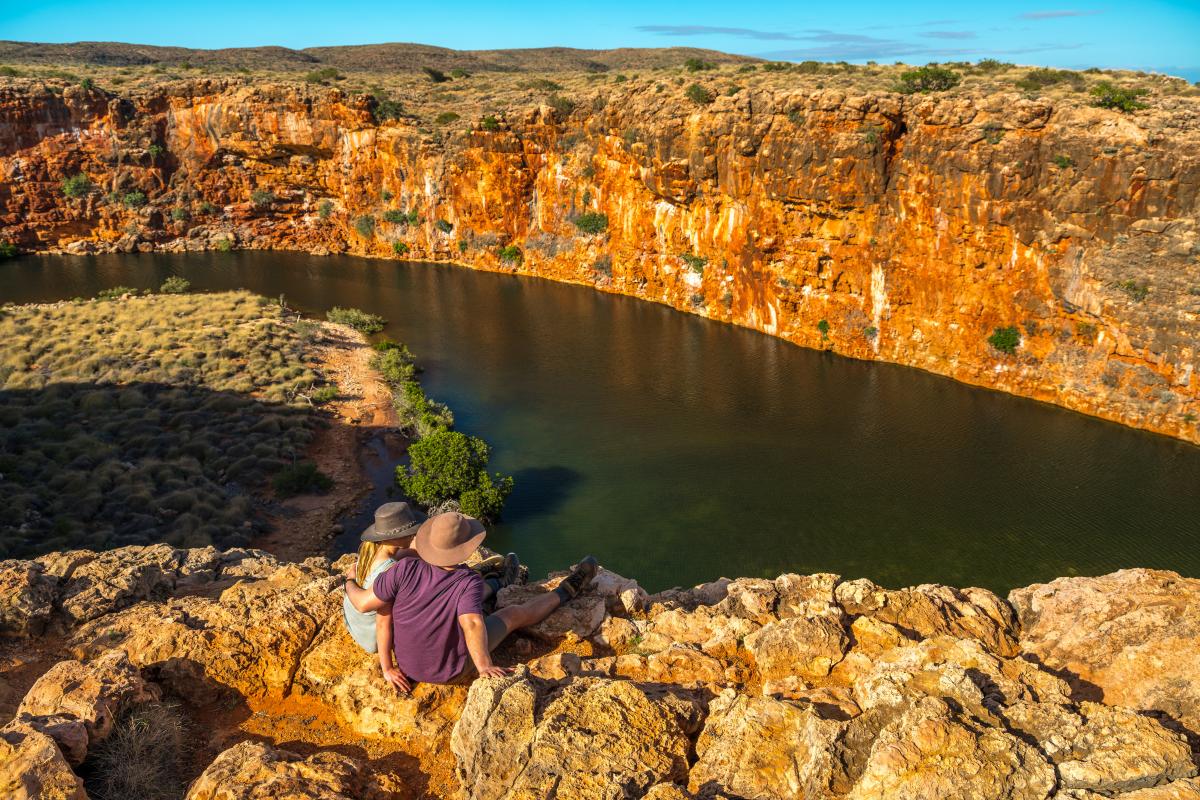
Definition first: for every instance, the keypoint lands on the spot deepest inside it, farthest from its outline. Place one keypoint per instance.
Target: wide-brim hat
(393, 521)
(448, 539)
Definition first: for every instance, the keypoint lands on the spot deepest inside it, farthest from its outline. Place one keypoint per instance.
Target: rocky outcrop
(906, 229)
(798, 687)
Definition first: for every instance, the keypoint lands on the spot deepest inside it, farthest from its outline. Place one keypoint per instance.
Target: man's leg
(537, 609)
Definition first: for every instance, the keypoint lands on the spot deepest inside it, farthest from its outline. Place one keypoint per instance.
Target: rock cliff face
(798, 687)
(906, 229)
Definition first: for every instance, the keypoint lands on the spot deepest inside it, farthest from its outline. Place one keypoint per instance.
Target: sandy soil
(303, 526)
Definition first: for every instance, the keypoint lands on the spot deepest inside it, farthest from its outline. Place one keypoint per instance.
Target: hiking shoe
(493, 565)
(581, 575)
(510, 571)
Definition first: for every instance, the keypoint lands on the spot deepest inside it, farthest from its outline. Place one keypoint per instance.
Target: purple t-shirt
(426, 602)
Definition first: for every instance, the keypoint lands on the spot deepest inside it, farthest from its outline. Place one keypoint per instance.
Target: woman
(385, 542)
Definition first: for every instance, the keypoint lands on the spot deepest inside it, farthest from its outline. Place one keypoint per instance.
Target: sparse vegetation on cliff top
(361, 321)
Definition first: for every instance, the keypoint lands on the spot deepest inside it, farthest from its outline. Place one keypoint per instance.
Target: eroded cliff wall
(886, 227)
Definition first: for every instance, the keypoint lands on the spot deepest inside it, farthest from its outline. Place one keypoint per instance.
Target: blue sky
(1153, 34)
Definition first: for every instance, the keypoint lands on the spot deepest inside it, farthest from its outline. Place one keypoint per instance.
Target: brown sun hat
(448, 539)
(393, 521)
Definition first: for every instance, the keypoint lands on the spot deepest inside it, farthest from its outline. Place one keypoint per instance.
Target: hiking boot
(581, 575)
(510, 571)
(492, 565)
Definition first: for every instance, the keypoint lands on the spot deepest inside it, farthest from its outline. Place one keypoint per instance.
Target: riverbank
(800, 686)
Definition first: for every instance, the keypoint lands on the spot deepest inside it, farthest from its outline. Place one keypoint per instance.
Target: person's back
(361, 624)
(426, 604)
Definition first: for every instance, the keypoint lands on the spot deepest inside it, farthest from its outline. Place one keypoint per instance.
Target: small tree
(489, 123)
(76, 185)
(448, 465)
(699, 95)
(698, 65)
(511, 254)
(175, 285)
(386, 109)
(443, 225)
(823, 327)
(400, 248)
(1118, 98)
(928, 79)
(435, 75)
(365, 225)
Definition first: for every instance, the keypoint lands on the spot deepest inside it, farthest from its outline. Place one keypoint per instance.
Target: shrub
(394, 362)
(823, 327)
(808, 67)
(303, 477)
(325, 209)
(76, 185)
(365, 225)
(993, 132)
(208, 208)
(175, 285)
(592, 222)
(134, 199)
(400, 248)
(489, 123)
(435, 75)
(698, 65)
(561, 105)
(1136, 291)
(603, 266)
(462, 245)
(1042, 77)
(1005, 339)
(155, 150)
(445, 118)
(8, 250)
(385, 195)
(989, 65)
(448, 465)
(115, 292)
(395, 216)
(9, 72)
(386, 109)
(325, 394)
(224, 244)
(1062, 162)
(511, 254)
(146, 755)
(699, 95)
(180, 214)
(870, 331)
(1118, 98)
(443, 225)
(459, 73)
(928, 79)
(694, 263)
(262, 198)
(323, 75)
(87, 84)
(361, 321)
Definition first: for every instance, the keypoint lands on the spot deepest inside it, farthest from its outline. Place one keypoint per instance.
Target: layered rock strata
(797, 687)
(904, 229)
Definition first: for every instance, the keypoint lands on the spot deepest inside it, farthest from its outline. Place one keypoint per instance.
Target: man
(435, 604)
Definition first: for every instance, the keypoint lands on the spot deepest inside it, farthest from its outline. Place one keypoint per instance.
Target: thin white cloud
(1058, 14)
(948, 34)
(712, 30)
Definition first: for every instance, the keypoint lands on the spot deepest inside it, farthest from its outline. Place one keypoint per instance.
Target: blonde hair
(366, 557)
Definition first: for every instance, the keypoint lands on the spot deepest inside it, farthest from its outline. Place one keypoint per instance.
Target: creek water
(677, 449)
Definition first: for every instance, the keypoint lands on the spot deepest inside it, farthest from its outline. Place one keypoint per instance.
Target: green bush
(928, 79)
(365, 225)
(325, 209)
(1042, 77)
(361, 321)
(208, 208)
(446, 117)
(325, 394)
(1136, 291)
(435, 75)
(115, 292)
(385, 195)
(175, 285)
(489, 123)
(443, 225)
(1005, 339)
(261, 198)
(76, 185)
(1062, 162)
(592, 222)
(303, 477)
(395, 216)
(400, 248)
(823, 327)
(1118, 98)
(386, 109)
(155, 150)
(699, 95)
(990, 65)
(459, 73)
(180, 214)
(698, 65)
(87, 84)
(8, 250)
(511, 254)
(224, 244)
(448, 465)
(323, 75)
(134, 199)
(394, 363)
(694, 263)
(561, 105)
(779, 66)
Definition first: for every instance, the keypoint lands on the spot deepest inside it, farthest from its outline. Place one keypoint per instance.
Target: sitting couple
(411, 597)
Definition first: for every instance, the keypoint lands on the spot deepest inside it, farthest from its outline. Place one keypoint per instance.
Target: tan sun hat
(393, 521)
(448, 539)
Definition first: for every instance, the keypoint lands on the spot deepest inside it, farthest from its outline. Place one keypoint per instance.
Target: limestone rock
(33, 768)
(257, 771)
(581, 617)
(77, 703)
(932, 610)
(801, 646)
(1104, 749)
(593, 738)
(27, 597)
(807, 596)
(1130, 638)
(931, 752)
(762, 748)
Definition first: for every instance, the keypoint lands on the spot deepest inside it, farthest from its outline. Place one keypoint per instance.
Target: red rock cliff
(904, 229)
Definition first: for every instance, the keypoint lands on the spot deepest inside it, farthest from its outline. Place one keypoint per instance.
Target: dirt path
(305, 525)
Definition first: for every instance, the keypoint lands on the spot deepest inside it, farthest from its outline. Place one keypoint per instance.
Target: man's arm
(362, 599)
(475, 632)
(383, 642)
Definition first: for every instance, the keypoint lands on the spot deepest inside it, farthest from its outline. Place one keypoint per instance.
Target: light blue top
(361, 624)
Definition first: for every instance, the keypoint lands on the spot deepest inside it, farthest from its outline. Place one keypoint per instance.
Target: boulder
(932, 610)
(33, 768)
(930, 751)
(762, 748)
(589, 738)
(27, 597)
(76, 703)
(581, 617)
(258, 771)
(1129, 638)
(799, 646)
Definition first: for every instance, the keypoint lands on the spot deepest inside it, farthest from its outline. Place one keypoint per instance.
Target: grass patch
(361, 321)
(1005, 339)
(302, 477)
(144, 757)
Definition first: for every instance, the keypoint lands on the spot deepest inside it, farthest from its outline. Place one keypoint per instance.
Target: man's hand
(493, 672)
(396, 678)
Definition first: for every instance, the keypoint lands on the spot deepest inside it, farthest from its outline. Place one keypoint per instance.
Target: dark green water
(677, 449)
